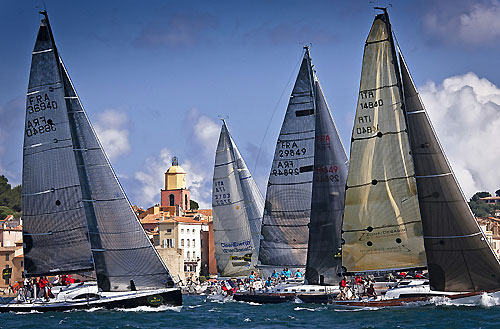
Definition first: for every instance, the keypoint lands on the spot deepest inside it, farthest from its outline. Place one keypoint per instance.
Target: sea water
(198, 312)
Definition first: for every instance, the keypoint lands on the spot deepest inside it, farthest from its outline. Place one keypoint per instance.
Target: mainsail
(328, 190)
(288, 199)
(52, 202)
(382, 225)
(459, 257)
(238, 206)
(111, 240)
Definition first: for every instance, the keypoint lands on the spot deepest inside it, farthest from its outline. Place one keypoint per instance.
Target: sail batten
(382, 227)
(70, 189)
(327, 204)
(46, 126)
(458, 254)
(287, 211)
(237, 205)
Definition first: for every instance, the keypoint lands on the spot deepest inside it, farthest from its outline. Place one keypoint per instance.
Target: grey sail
(328, 190)
(54, 226)
(382, 226)
(459, 257)
(237, 205)
(124, 256)
(113, 243)
(288, 200)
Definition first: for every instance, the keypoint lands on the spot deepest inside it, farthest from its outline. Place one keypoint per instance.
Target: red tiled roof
(206, 212)
(187, 220)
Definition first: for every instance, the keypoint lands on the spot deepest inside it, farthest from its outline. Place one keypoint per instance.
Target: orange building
(175, 192)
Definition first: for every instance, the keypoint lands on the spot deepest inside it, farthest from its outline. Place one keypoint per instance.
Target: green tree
(5, 211)
(193, 204)
(479, 195)
(10, 197)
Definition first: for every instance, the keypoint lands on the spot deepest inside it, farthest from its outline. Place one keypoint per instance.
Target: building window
(172, 200)
(187, 231)
(7, 256)
(188, 254)
(182, 230)
(201, 243)
(194, 254)
(182, 242)
(194, 243)
(188, 242)
(186, 202)
(169, 230)
(22, 263)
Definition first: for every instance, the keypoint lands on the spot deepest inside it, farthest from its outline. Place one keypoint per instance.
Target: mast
(459, 256)
(382, 226)
(288, 199)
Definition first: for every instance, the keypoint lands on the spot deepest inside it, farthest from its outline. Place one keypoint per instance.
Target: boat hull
(469, 298)
(133, 299)
(264, 298)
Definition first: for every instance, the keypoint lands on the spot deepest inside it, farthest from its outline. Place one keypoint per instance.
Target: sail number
(40, 103)
(220, 195)
(291, 149)
(292, 152)
(286, 168)
(326, 174)
(222, 199)
(371, 105)
(322, 142)
(39, 125)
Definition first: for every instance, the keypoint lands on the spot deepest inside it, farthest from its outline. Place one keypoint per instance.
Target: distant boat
(237, 206)
(404, 208)
(76, 217)
(302, 221)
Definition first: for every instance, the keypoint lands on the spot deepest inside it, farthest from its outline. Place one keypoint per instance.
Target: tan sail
(382, 225)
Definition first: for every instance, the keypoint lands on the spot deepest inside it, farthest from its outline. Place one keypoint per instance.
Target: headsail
(53, 210)
(288, 199)
(382, 227)
(238, 205)
(458, 255)
(123, 256)
(328, 190)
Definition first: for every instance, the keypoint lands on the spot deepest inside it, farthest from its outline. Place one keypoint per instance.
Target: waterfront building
(180, 234)
(11, 251)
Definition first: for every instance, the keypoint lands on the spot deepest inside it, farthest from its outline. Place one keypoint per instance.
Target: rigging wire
(275, 108)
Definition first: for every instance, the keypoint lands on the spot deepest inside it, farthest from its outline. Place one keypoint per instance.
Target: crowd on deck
(40, 288)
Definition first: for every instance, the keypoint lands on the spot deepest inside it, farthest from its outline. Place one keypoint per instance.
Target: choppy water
(199, 313)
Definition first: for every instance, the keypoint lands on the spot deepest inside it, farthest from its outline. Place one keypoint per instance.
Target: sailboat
(76, 217)
(404, 207)
(301, 228)
(237, 206)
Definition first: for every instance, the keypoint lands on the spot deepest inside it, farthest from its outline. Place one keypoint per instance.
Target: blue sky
(154, 76)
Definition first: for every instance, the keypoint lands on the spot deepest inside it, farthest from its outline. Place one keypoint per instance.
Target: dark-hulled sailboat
(237, 206)
(76, 216)
(305, 197)
(404, 207)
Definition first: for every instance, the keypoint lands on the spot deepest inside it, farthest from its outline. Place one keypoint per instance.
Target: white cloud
(478, 23)
(112, 133)
(465, 111)
(197, 161)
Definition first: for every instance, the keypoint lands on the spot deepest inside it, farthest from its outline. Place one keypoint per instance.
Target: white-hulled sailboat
(76, 217)
(237, 206)
(404, 207)
(305, 198)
